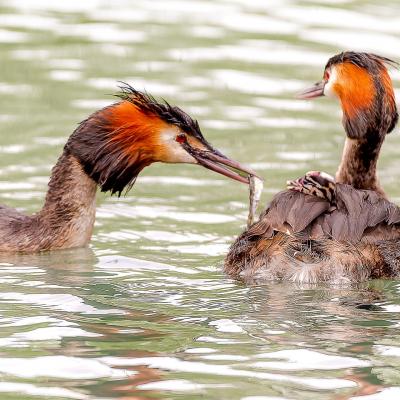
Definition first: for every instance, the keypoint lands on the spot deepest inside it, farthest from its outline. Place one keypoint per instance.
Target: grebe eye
(327, 75)
(181, 138)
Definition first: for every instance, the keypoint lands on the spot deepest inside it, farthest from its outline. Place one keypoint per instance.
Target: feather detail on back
(303, 238)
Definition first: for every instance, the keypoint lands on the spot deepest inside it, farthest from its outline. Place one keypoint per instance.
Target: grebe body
(325, 229)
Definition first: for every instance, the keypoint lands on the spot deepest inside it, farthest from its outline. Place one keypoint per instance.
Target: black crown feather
(369, 61)
(170, 114)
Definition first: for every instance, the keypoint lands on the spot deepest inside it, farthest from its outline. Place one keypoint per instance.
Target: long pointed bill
(315, 91)
(223, 165)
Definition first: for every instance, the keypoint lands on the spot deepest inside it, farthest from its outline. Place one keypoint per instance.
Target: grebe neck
(358, 165)
(68, 214)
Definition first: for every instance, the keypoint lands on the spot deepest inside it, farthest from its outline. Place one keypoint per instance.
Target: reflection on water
(118, 326)
(146, 312)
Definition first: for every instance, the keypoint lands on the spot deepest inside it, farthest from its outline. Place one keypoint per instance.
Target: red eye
(181, 138)
(327, 75)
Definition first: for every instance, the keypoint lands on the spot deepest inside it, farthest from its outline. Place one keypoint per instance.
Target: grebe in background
(343, 233)
(362, 84)
(109, 149)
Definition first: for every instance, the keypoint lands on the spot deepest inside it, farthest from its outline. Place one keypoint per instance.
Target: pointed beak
(316, 90)
(217, 162)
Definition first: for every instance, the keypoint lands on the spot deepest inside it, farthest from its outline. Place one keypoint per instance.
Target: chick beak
(316, 90)
(217, 162)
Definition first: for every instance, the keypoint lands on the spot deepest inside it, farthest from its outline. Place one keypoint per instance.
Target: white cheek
(328, 89)
(176, 153)
(179, 155)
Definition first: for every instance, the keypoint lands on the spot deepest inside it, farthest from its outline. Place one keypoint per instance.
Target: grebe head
(362, 84)
(114, 144)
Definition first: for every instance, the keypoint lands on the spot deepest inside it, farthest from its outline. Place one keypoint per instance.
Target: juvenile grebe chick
(335, 235)
(108, 150)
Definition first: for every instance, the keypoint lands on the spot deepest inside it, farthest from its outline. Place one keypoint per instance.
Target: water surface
(146, 312)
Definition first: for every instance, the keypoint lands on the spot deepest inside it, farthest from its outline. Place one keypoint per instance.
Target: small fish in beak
(256, 187)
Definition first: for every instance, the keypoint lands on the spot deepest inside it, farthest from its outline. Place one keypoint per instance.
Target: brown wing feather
(289, 211)
(355, 212)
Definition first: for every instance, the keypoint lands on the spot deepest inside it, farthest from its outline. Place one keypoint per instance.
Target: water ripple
(146, 310)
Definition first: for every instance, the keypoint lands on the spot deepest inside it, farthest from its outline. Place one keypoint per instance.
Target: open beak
(316, 90)
(214, 160)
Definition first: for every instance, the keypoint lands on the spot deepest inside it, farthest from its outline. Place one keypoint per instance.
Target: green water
(146, 312)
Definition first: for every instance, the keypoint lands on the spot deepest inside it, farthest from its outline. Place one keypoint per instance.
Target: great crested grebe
(109, 149)
(347, 230)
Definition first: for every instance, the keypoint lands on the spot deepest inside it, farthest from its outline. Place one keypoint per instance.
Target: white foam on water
(176, 365)
(8, 36)
(356, 40)
(42, 391)
(127, 263)
(28, 21)
(248, 82)
(62, 367)
(388, 393)
(57, 301)
(65, 75)
(102, 33)
(226, 325)
(54, 333)
(391, 351)
(304, 359)
(255, 23)
(200, 350)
